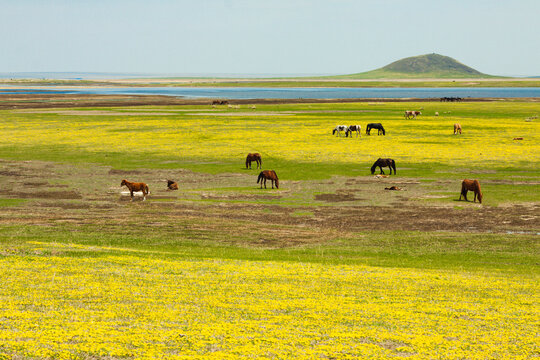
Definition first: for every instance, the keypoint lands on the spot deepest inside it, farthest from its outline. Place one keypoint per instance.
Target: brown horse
(457, 128)
(268, 175)
(253, 157)
(133, 186)
(172, 185)
(471, 185)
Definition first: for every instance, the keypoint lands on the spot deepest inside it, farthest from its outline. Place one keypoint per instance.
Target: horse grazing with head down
(268, 175)
(136, 186)
(457, 128)
(253, 157)
(353, 128)
(377, 126)
(338, 129)
(471, 185)
(384, 163)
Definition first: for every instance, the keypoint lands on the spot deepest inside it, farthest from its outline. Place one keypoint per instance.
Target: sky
(265, 36)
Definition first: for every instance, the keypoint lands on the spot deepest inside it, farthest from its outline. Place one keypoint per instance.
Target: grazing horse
(338, 129)
(384, 163)
(172, 185)
(377, 126)
(471, 185)
(134, 186)
(268, 175)
(412, 113)
(253, 157)
(457, 128)
(355, 128)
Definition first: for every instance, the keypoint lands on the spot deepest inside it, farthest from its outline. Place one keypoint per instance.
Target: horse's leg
(382, 172)
(131, 191)
(272, 180)
(265, 183)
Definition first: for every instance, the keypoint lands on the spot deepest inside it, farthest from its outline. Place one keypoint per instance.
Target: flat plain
(330, 265)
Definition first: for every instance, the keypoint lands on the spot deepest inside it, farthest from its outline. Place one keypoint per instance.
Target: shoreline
(40, 101)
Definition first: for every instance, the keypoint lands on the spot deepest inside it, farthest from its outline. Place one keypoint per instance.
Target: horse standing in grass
(471, 185)
(338, 129)
(412, 113)
(377, 126)
(384, 163)
(253, 157)
(268, 175)
(353, 128)
(457, 128)
(134, 186)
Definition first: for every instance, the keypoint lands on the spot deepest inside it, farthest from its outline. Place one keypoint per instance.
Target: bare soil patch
(221, 205)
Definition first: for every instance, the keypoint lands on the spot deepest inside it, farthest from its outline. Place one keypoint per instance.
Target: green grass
(460, 251)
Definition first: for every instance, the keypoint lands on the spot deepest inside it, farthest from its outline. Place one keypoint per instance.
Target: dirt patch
(42, 194)
(335, 197)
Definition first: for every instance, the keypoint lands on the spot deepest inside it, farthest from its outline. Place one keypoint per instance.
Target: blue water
(291, 93)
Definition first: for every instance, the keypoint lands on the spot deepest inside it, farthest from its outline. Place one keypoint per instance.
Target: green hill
(423, 66)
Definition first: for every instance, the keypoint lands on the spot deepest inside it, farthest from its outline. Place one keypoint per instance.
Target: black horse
(377, 126)
(384, 163)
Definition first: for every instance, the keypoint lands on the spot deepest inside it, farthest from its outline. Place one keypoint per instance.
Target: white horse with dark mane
(338, 129)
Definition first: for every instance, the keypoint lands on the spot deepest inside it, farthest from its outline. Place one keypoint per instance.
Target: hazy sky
(265, 36)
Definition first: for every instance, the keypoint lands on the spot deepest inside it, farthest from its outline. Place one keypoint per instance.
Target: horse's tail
(260, 177)
(146, 189)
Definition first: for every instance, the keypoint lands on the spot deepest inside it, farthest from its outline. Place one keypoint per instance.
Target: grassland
(329, 266)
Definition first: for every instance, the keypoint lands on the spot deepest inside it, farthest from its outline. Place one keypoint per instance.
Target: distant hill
(423, 66)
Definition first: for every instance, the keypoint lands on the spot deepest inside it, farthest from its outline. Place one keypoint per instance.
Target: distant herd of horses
(466, 185)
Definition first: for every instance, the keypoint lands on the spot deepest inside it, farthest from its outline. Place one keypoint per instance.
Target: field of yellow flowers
(127, 304)
(93, 276)
(300, 136)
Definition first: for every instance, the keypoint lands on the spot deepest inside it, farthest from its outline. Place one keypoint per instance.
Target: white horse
(353, 128)
(339, 129)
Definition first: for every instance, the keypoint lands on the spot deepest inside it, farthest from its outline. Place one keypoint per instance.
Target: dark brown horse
(471, 185)
(384, 163)
(172, 185)
(253, 157)
(268, 175)
(134, 186)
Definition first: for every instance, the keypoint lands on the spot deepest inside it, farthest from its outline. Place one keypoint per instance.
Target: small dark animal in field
(136, 186)
(471, 185)
(172, 185)
(377, 126)
(338, 129)
(457, 128)
(268, 175)
(353, 128)
(384, 163)
(253, 157)
(452, 98)
(220, 102)
(519, 138)
(412, 113)
(393, 188)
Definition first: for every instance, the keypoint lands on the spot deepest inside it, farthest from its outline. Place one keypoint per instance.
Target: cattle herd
(467, 185)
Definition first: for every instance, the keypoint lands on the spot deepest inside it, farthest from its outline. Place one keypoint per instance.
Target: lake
(288, 93)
